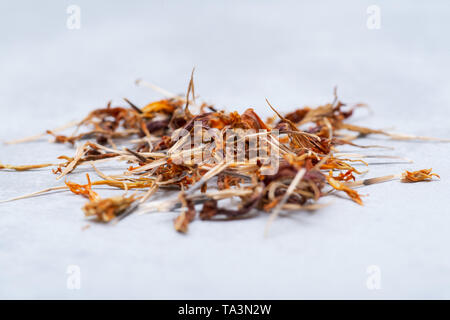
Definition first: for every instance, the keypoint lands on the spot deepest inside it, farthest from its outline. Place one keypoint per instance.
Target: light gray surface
(291, 53)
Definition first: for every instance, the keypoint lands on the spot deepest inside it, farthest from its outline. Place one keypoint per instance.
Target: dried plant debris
(226, 165)
(420, 175)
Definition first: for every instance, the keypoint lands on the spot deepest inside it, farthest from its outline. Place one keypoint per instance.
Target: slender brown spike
(193, 87)
(335, 97)
(291, 124)
(278, 114)
(372, 156)
(368, 182)
(81, 151)
(137, 155)
(33, 194)
(105, 177)
(406, 137)
(289, 191)
(151, 191)
(36, 137)
(189, 90)
(142, 83)
(127, 212)
(138, 110)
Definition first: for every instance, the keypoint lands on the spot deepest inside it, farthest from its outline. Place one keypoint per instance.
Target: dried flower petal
(107, 209)
(420, 175)
(83, 189)
(342, 187)
(181, 222)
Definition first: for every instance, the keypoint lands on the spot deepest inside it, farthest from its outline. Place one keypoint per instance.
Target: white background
(293, 53)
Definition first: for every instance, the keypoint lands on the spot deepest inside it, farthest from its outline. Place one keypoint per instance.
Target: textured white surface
(291, 53)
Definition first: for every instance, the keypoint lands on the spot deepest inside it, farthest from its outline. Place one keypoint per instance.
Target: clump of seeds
(287, 163)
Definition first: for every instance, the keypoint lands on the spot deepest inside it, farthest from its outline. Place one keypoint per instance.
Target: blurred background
(291, 52)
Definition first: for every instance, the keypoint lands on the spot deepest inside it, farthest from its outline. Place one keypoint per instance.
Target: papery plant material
(181, 223)
(342, 187)
(420, 175)
(25, 167)
(287, 163)
(292, 186)
(407, 176)
(347, 176)
(84, 190)
(108, 208)
(104, 209)
(38, 136)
